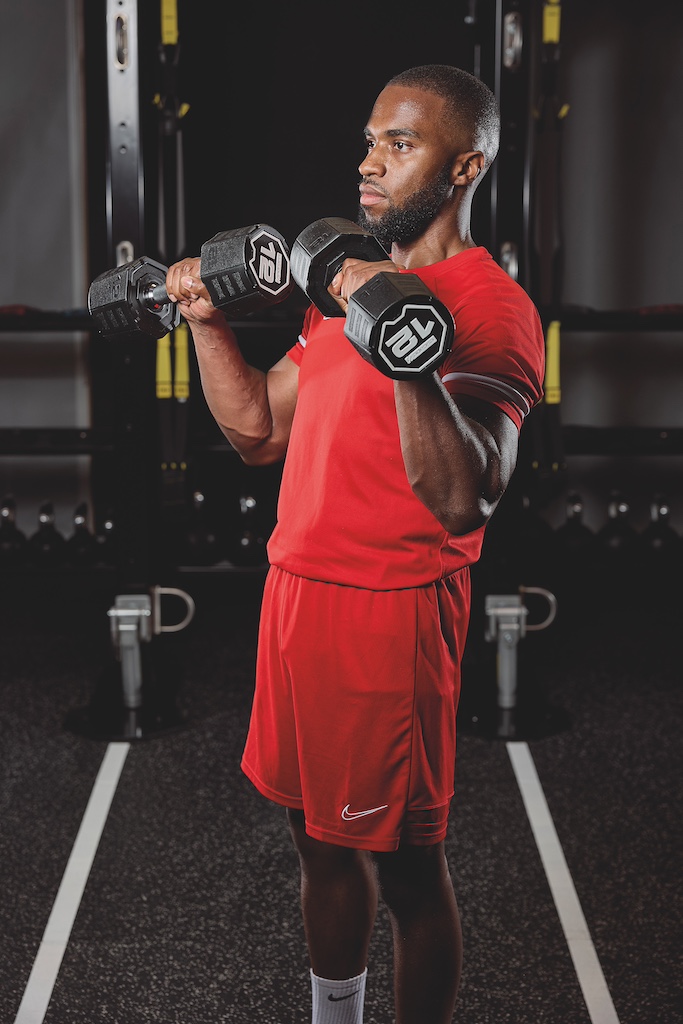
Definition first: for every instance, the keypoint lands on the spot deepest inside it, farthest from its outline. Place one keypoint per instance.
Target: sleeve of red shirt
(498, 354)
(296, 353)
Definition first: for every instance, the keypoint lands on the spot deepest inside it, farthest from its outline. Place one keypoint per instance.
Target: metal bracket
(509, 259)
(513, 40)
(507, 624)
(135, 619)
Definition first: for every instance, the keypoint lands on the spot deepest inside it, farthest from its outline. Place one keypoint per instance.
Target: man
(386, 490)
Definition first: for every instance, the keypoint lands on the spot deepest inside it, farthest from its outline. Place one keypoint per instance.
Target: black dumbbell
(12, 539)
(393, 321)
(46, 547)
(617, 536)
(106, 540)
(244, 270)
(201, 545)
(250, 546)
(81, 547)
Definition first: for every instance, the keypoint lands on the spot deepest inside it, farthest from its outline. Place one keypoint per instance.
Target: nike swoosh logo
(349, 815)
(338, 999)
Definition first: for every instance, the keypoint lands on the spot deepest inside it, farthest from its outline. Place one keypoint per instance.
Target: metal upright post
(125, 173)
(506, 625)
(514, 74)
(134, 358)
(137, 709)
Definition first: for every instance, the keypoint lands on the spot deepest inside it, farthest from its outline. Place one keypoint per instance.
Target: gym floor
(190, 912)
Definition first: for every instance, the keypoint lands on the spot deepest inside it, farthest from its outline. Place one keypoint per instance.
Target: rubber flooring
(190, 913)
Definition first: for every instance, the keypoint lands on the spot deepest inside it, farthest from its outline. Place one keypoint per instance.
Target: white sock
(338, 1002)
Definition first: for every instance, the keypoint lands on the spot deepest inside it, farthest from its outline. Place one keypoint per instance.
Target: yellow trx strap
(169, 22)
(552, 389)
(551, 21)
(181, 391)
(181, 380)
(164, 376)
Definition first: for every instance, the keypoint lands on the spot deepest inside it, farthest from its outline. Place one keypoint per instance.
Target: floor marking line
(586, 964)
(58, 929)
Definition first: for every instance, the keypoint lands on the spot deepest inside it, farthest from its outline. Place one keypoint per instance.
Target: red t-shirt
(346, 512)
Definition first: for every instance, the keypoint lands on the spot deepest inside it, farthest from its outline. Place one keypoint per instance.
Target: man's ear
(467, 167)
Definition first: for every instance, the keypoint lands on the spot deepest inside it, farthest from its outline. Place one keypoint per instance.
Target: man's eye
(400, 145)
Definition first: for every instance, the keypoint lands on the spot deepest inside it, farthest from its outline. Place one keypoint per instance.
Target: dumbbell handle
(156, 297)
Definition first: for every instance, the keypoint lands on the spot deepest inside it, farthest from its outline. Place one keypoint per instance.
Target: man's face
(407, 170)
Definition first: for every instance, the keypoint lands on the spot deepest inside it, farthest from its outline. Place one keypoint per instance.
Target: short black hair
(473, 106)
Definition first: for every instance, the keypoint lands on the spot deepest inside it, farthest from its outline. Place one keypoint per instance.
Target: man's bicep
(499, 425)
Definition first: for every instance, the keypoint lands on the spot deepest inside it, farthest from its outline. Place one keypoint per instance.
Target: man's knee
(412, 875)
(318, 856)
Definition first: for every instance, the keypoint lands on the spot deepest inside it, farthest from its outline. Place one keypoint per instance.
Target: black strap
(170, 169)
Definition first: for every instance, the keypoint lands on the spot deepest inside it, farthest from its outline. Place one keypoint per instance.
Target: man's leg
(416, 886)
(338, 900)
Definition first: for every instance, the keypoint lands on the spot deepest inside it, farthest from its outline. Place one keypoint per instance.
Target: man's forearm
(235, 392)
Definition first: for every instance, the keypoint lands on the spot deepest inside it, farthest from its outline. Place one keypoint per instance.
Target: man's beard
(406, 223)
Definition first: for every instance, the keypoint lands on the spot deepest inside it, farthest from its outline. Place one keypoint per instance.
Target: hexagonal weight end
(399, 326)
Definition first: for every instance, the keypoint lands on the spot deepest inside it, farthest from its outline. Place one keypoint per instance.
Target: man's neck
(445, 237)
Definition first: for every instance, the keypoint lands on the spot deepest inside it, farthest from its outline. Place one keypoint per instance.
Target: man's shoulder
(473, 278)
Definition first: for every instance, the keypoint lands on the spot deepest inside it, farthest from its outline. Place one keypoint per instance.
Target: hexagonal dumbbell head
(121, 300)
(399, 326)
(246, 269)
(320, 250)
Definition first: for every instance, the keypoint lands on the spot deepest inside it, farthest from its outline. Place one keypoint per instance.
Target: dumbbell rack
(123, 441)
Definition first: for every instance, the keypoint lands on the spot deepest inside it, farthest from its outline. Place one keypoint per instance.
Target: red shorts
(353, 718)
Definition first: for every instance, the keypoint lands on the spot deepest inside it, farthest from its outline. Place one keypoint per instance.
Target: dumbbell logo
(399, 326)
(269, 263)
(417, 337)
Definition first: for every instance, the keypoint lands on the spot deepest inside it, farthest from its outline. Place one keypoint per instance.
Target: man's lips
(369, 196)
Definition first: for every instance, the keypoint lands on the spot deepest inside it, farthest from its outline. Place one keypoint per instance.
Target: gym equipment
(201, 545)
(132, 701)
(507, 625)
(519, 544)
(135, 619)
(250, 549)
(574, 537)
(244, 270)
(393, 320)
(12, 539)
(319, 251)
(131, 299)
(171, 112)
(659, 537)
(617, 536)
(81, 548)
(105, 541)
(46, 547)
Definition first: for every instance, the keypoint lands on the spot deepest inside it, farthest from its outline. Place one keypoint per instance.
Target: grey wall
(622, 73)
(43, 381)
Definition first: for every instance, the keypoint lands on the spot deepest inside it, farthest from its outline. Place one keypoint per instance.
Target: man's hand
(353, 274)
(184, 286)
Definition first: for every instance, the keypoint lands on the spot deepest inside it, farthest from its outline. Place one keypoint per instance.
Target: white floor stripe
(49, 959)
(586, 963)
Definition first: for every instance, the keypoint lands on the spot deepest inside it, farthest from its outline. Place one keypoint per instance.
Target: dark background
(277, 104)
